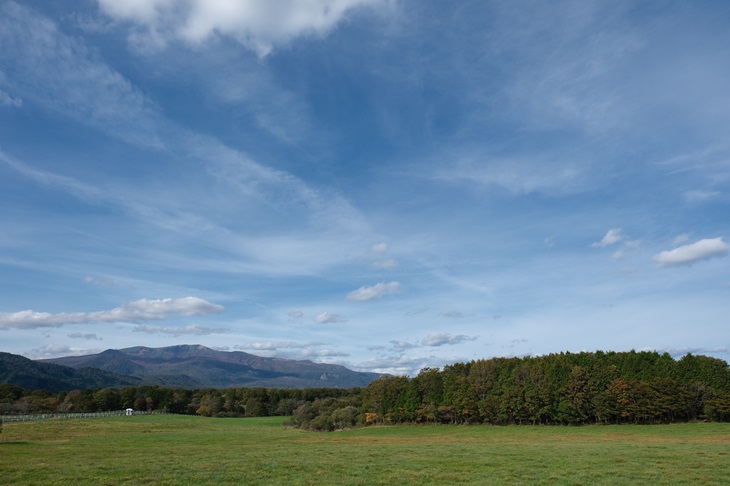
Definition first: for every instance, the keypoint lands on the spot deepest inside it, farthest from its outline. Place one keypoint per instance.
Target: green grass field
(179, 450)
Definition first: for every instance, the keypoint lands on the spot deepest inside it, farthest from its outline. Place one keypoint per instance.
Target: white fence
(42, 416)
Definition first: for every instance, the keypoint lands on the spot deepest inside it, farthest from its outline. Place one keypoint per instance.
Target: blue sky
(383, 184)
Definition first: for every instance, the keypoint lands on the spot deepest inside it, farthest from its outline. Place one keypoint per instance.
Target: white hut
(130, 411)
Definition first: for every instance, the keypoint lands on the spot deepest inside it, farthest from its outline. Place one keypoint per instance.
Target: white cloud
(259, 25)
(156, 309)
(611, 237)
(180, 331)
(694, 252)
(441, 339)
(135, 311)
(364, 294)
(327, 318)
(295, 314)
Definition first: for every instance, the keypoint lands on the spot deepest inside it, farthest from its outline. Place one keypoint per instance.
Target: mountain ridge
(197, 366)
(34, 375)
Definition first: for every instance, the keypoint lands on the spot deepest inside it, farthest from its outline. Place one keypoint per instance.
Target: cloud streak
(181, 331)
(88, 336)
(135, 311)
(364, 294)
(433, 340)
(55, 350)
(276, 345)
(327, 318)
(444, 338)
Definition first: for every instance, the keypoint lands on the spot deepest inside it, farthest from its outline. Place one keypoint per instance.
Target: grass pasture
(179, 450)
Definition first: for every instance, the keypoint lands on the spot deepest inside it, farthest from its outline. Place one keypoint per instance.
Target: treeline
(231, 402)
(565, 388)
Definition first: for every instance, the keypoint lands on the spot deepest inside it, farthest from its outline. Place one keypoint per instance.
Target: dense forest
(565, 388)
(212, 402)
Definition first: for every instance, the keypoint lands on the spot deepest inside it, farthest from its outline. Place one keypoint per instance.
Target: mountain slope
(33, 375)
(195, 366)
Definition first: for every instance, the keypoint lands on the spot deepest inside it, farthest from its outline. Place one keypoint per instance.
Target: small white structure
(130, 411)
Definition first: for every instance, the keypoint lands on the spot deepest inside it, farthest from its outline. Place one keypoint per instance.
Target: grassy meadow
(178, 450)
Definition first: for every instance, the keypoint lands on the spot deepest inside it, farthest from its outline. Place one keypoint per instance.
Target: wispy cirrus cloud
(519, 174)
(63, 75)
(694, 252)
(134, 311)
(80, 86)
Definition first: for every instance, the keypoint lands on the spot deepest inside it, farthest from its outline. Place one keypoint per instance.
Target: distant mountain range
(184, 366)
(33, 375)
